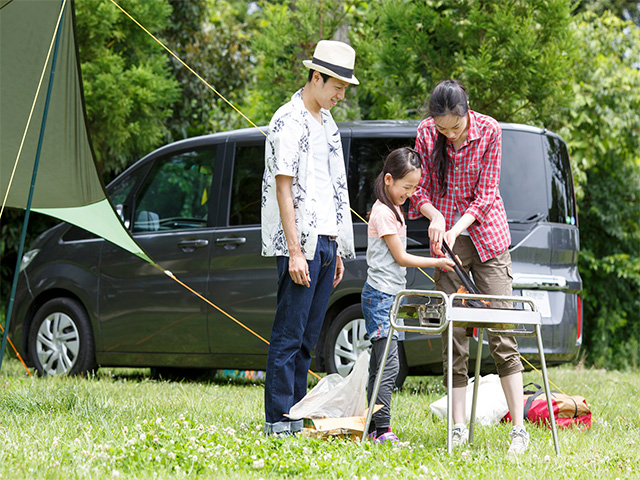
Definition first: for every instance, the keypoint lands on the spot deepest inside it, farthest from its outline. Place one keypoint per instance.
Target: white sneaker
(459, 436)
(519, 440)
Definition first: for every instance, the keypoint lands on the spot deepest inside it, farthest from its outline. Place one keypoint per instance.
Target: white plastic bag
(491, 404)
(335, 396)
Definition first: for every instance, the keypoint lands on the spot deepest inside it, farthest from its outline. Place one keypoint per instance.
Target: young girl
(459, 194)
(387, 260)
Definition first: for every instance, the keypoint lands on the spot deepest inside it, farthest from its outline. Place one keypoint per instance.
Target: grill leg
(547, 390)
(449, 387)
(376, 386)
(476, 382)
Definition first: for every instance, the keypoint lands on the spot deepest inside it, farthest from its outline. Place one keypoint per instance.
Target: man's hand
(339, 272)
(299, 269)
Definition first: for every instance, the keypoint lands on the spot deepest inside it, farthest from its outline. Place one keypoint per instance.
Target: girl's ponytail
(381, 194)
(398, 164)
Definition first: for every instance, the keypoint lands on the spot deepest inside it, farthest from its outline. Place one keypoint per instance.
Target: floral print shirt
(288, 151)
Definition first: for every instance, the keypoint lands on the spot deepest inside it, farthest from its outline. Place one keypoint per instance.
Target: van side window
(366, 157)
(120, 189)
(246, 187)
(562, 195)
(523, 183)
(176, 193)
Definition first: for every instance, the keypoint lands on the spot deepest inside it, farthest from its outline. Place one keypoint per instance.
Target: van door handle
(230, 242)
(190, 245)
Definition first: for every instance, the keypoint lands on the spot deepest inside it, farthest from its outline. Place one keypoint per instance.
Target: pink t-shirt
(384, 273)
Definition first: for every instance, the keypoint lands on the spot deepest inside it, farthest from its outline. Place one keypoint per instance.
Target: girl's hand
(446, 264)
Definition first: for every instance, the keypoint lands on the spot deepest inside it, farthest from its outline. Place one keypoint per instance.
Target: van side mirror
(120, 212)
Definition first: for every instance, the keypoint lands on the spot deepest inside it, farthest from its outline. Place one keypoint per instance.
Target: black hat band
(342, 71)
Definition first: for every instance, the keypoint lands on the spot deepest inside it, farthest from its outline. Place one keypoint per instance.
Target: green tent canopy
(68, 186)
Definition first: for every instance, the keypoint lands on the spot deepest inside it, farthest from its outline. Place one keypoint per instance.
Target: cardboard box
(342, 427)
(346, 427)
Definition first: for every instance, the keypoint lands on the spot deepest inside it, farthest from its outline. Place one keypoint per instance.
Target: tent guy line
(176, 279)
(167, 272)
(17, 353)
(186, 66)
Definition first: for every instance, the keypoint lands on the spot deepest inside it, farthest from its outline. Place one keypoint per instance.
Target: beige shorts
(493, 277)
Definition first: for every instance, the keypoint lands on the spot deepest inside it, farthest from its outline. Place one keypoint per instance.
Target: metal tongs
(464, 277)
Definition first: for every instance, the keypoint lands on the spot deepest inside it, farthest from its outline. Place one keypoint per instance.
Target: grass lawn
(122, 423)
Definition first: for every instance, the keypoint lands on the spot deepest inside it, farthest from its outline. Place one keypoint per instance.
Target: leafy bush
(512, 56)
(212, 37)
(127, 85)
(286, 35)
(602, 129)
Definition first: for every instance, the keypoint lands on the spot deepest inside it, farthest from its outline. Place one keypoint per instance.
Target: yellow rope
(187, 66)
(176, 279)
(540, 373)
(254, 125)
(16, 352)
(33, 106)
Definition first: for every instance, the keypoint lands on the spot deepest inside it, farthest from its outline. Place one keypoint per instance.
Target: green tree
(602, 129)
(624, 9)
(511, 55)
(127, 83)
(212, 37)
(286, 35)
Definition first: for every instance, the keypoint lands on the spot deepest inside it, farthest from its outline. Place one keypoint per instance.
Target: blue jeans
(375, 308)
(296, 328)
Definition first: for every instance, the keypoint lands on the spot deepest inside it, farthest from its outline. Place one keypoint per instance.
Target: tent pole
(16, 273)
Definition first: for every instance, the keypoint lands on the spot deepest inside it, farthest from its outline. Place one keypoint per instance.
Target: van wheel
(61, 339)
(347, 339)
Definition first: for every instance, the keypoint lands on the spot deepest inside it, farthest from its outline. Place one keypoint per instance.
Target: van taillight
(579, 335)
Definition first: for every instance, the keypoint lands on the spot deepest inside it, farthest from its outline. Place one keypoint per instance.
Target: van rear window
(523, 183)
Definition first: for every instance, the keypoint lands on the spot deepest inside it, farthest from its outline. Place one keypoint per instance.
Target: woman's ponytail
(448, 97)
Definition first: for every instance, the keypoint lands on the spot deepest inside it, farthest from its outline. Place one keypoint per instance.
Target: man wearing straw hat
(306, 224)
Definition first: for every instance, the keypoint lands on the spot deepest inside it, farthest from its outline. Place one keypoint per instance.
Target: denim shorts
(375, 307)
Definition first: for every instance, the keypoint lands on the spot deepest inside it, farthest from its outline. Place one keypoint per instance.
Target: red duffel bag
(567, 409)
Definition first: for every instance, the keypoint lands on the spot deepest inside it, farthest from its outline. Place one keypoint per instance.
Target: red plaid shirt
(473, 177)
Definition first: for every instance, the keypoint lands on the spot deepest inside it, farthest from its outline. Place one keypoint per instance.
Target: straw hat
(335, 59)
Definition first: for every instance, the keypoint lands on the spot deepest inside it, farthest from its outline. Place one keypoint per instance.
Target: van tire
(60, 339)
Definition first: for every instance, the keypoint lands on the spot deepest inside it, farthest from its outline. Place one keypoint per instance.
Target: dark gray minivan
(194, 206)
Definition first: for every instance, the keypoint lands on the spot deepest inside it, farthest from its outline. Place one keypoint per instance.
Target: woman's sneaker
(459, 436)
(519, 440)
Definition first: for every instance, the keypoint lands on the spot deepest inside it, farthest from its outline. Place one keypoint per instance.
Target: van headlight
(28, 257)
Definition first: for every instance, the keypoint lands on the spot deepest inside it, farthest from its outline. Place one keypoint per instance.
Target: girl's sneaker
(387, 437)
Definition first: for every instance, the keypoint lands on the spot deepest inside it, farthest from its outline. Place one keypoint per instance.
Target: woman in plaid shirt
(458, 192)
